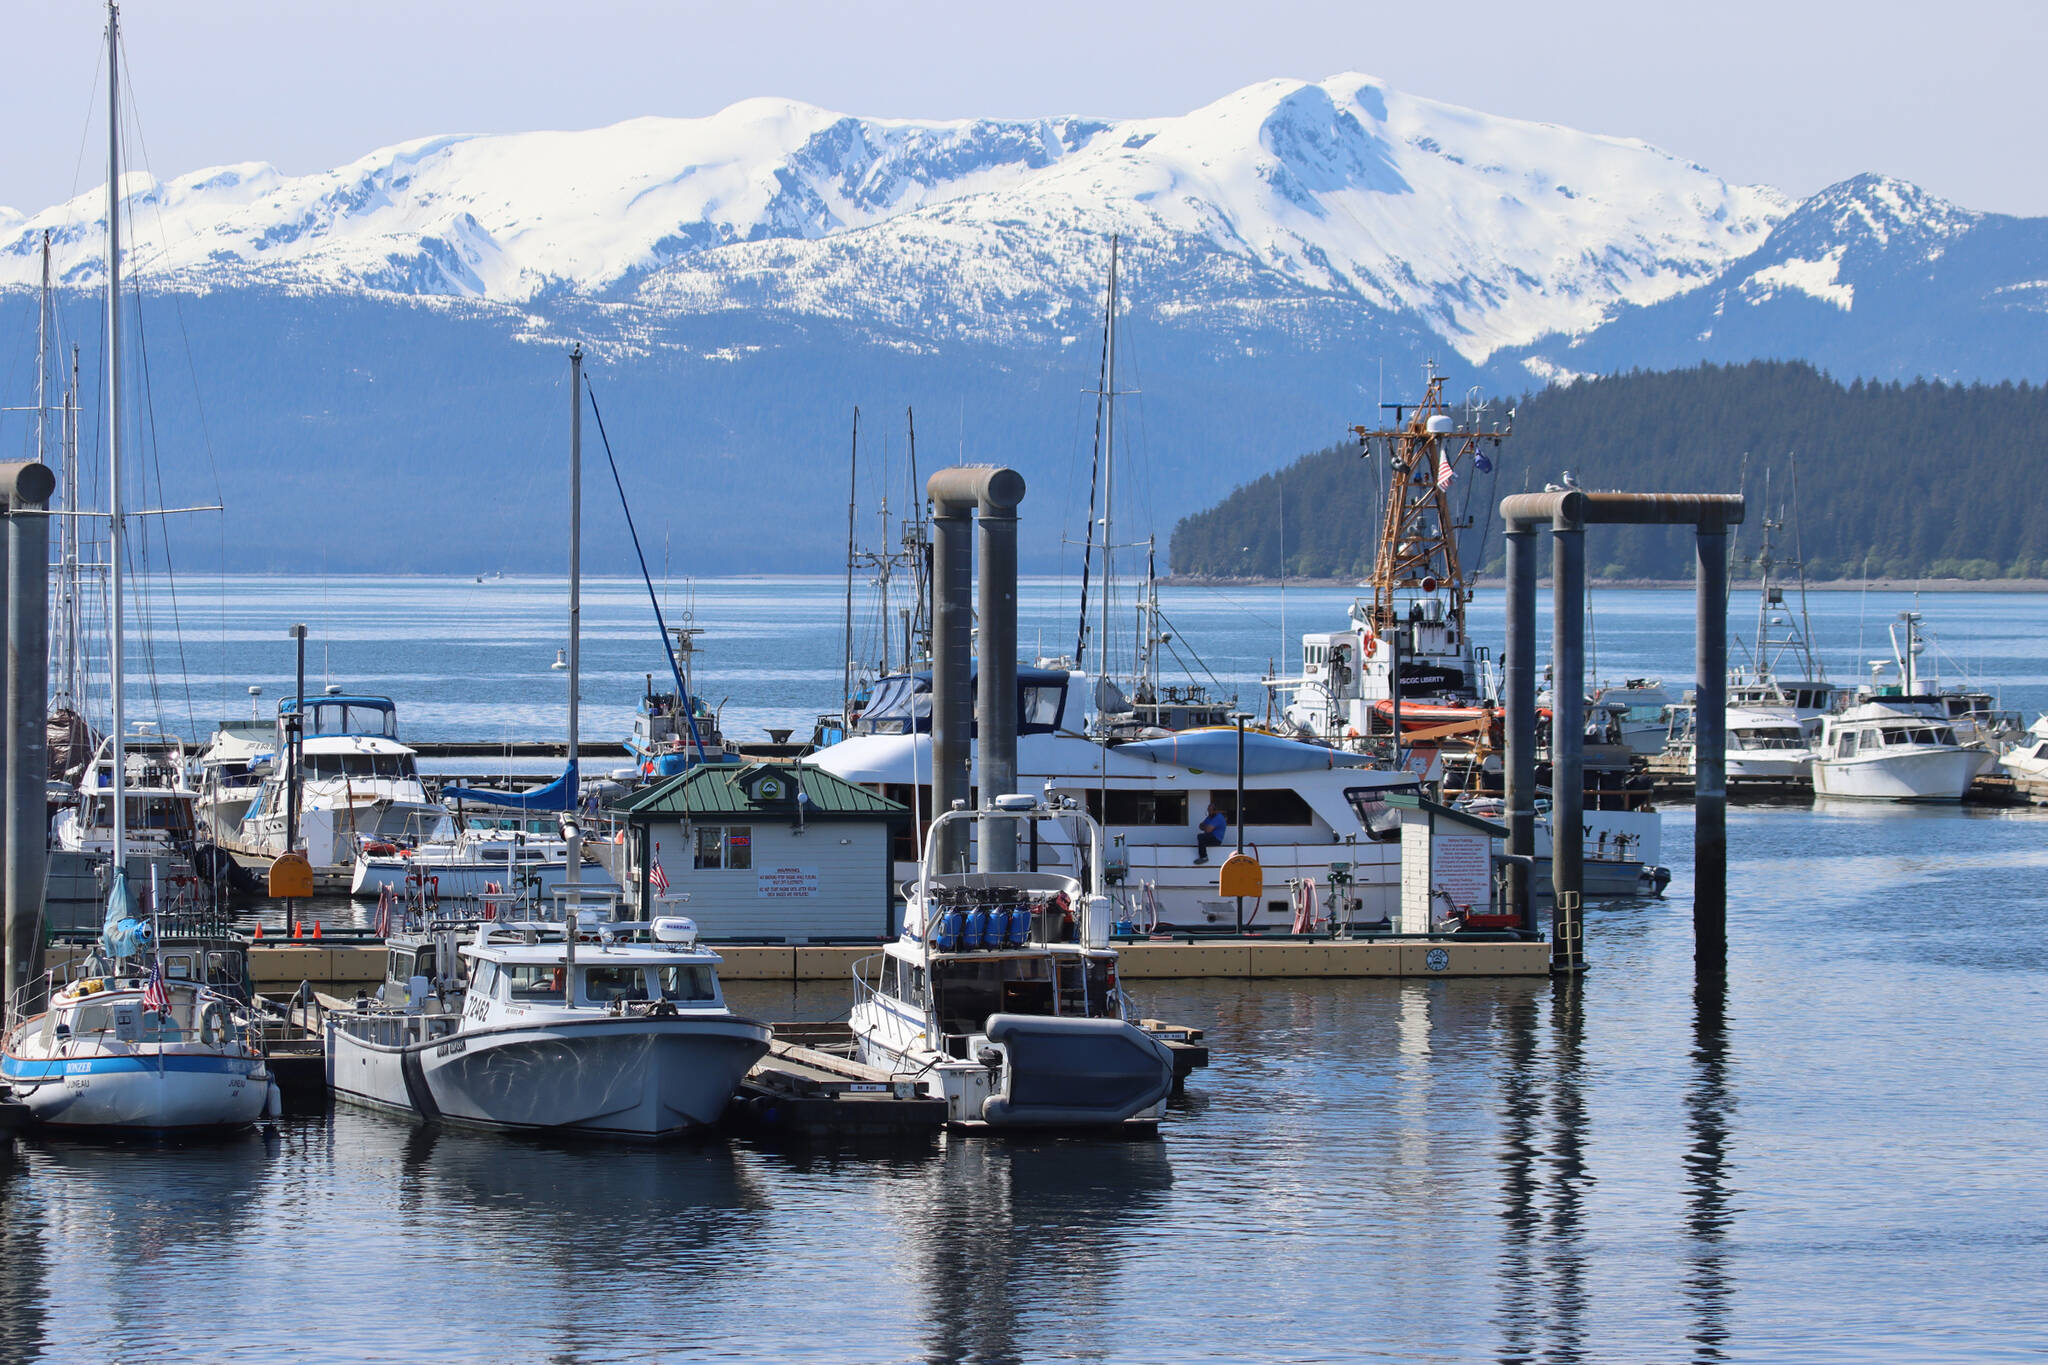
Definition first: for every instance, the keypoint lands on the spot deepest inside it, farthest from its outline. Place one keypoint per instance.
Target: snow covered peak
(1485, 230)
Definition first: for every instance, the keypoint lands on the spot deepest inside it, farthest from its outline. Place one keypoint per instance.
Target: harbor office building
(765, 853)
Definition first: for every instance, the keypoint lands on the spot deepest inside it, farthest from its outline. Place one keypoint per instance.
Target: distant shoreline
(1830, 585)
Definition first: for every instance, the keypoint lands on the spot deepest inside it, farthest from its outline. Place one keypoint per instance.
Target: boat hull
(631, 1078)
(1930, 774)
(172, 1092)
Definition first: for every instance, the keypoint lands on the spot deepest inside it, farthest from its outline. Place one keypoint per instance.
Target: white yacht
(232, 767)
(463, 859)
(2029, 758)
(1893, 750)
(1765, 747)
(1001, 996)
(1306, 806)
(576, 1027)
(357, 785)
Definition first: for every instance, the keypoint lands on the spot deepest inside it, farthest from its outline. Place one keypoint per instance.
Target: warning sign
(1464, 869)
(785, 883)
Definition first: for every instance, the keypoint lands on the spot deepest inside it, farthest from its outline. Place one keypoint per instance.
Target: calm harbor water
(1837, 1157)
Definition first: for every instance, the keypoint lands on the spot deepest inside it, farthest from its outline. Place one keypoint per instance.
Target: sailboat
(119, 1046)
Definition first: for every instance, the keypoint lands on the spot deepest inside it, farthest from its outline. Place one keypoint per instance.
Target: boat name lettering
(450, 1048)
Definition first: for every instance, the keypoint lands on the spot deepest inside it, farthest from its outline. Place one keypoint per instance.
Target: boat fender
(273, 1101)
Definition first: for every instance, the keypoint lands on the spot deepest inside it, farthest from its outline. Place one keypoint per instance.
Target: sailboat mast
(74, 607)
(572, 873)
(115, 650)
(43, 359)
(1108, 462)
(852, 501)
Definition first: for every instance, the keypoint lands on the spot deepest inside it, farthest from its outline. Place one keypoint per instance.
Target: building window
(725, 846)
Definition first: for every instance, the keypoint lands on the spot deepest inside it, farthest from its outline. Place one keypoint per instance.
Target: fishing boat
(674, 729)
(1001, 995)
(579, 1026)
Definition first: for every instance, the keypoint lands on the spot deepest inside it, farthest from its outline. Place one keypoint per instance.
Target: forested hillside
(1901, 480)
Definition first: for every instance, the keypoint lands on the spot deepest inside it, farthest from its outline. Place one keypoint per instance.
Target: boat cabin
(902, 704)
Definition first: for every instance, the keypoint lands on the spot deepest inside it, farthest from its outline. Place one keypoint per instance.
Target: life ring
(1371, 646)
(213, 1024)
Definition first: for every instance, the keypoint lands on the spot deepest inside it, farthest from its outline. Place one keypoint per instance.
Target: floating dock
(280, 967)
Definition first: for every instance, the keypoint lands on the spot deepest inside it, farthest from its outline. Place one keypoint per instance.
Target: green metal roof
(724, 789)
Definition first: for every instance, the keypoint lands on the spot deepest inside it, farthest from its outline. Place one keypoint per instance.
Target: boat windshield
(603, 985)
(396, 766)
(531, 982)
(689, 982)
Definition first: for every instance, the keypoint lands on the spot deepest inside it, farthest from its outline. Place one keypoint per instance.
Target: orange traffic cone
(316, 928)
(259, 930)
(298, 931)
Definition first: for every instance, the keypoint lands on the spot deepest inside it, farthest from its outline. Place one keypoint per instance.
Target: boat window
(485, 981)
(224, 967)
(689, 982)
(178, 967)
(1140, 807)
(710, 843)
(536, 981)
(1265, 806)
(1381, 822)
(1942, 735)
(909, 983)
(602, 985)
(1040, 706)
(92, 1019)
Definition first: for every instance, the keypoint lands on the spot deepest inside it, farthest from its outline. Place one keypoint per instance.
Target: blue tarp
(122, 935)
(559, 794)
(1215, 751)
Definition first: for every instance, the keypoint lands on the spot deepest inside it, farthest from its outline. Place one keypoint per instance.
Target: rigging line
(686, 702)
(156, 456)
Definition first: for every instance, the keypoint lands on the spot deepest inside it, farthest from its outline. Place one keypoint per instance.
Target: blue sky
(1792, 94)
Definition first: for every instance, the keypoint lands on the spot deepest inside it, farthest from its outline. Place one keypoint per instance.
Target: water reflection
(1544, 1178)
(22, 1274)
(1709, 1206)
(1026, 1237)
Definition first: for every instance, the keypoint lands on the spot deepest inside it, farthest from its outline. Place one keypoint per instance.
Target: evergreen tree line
(1870, 479)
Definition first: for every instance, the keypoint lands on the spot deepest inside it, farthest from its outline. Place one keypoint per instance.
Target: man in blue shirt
(1210, 832)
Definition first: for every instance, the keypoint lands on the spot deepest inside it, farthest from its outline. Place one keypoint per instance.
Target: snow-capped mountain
(1487, 231)
(1871, 277)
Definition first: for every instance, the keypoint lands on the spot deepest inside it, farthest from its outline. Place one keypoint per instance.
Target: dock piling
(1519, 777)
(26, 488)
(1710, 729)
(1567, 743)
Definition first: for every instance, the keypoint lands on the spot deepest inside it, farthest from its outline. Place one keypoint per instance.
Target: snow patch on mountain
(1820, 278)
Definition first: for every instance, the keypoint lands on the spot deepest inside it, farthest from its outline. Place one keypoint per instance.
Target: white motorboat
(356, 784)
(1642, 712)
(1893, 750)
(2029, 758)
(232, 767)
(467, 859)
(578, 1027)
(1001, 995)
(1765, 747)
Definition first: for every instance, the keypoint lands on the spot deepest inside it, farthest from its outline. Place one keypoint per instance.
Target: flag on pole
(657, 879)
(1445, 472)
(154, 995)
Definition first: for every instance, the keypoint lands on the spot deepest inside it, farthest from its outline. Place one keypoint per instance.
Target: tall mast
(115, 649)
(73, 682)
(572, 873)
(43, 358)
(1108, 464)
(852, 499)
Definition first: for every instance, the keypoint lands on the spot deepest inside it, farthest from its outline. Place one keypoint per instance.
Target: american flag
(1445, 472)
(657, 878)
(154, 996)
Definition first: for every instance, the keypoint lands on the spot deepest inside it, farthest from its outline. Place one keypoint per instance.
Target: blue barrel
(1020, 925)
(952, 923)
(977, 929)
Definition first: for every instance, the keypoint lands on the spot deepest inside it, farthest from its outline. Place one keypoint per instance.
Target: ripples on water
(1838, 1157)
